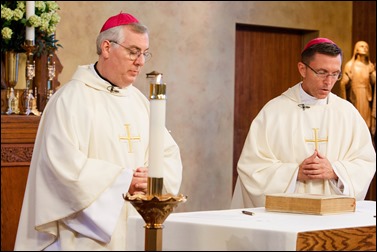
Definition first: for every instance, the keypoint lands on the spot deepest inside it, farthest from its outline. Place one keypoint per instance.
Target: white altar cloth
(232, 230)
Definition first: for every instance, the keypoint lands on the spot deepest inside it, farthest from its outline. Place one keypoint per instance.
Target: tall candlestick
(157, 127)
(30, 11)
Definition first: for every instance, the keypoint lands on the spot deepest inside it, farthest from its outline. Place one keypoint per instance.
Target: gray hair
(117, 34)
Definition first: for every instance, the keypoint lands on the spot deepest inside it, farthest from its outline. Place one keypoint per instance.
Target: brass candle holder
(154, 208)
(11, 78)
(51, 75)
(30, 100)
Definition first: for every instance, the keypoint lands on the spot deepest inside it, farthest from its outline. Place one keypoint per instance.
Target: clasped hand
(316, 167)
(139, 181)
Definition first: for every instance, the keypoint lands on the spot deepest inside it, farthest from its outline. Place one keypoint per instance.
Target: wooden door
(266, 66)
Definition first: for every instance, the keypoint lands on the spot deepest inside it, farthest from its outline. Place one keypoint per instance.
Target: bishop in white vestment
(297, 125)
(92, 139)
(85, 141)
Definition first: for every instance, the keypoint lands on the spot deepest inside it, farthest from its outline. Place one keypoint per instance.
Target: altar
(229, 230)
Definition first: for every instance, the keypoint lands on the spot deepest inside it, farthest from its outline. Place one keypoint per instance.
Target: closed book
(310, 203)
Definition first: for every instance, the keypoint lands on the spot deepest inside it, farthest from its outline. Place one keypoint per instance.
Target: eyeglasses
(323, 74)
(134, 53)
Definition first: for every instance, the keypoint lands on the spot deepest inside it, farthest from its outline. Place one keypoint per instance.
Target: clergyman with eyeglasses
(91, 149)
(307, 140)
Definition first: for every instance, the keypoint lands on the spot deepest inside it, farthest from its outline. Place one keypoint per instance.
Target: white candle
(156, 138)
(157, 129)
(30, 11)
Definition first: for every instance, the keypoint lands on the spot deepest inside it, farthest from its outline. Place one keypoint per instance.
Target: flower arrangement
(14, 22)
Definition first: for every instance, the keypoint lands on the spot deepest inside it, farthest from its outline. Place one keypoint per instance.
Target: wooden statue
(358, 82)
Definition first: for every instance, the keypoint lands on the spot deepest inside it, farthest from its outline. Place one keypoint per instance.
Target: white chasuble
(284, 133)
(90, 139)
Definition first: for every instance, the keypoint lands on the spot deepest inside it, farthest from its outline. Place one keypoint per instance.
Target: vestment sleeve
(98, 221)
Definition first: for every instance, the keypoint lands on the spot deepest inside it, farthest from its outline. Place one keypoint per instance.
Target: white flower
(13, 19)
(6, 33)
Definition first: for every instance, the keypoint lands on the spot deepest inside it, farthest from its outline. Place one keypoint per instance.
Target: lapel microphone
(303, 106)
(111, 89)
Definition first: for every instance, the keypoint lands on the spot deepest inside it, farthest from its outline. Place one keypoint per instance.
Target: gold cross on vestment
(129, 138)
(316, 140)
